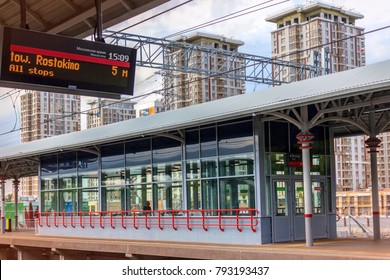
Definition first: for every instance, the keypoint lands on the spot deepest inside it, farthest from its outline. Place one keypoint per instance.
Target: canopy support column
(2, 183)
(305, 139)
(16, 183)
(373, 144)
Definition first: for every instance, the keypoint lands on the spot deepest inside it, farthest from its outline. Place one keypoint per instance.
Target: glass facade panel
(138, 195)
(89, 199)
(88, 179)
(208, 142)
(236, 165)
(49, 201)
(237, 193)
(318, 197)
(138, 152)
(87, 162)
(281, 198)
(68, 182)
(166, 150)
(139, 174)
(113, 156)
(192, 144)
(194, 195)
(209, 168)
(193, 169)
(113, 177)
(299, 201)
(167, 172)
(218, 160)
(235, 139)
(49, 183)
(68, 201)
(209, 195)
(67, 163)
(279, 134)
(169, 196)
(49, 165)
(113, 199)
(279, 164)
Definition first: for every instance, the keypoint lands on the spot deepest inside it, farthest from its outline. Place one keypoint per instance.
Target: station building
(229, 171)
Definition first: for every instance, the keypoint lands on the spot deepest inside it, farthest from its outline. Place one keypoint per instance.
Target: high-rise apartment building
(318, 34)
(326, 36)
(107, 111)
(186, 89)
(46, 114)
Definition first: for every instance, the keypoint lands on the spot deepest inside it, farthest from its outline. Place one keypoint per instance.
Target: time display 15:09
(119, 57)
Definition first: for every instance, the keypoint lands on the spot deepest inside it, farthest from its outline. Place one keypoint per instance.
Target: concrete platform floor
(14, 244)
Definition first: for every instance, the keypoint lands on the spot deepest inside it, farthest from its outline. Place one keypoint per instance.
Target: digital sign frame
(46, 62)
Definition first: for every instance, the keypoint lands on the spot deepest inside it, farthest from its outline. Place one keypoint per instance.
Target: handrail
(90, 220)
(63, 221)
(220, 222)
(55, 220)
(71, 221)
(188, 222)
(81, 220)
(47, 221)
(173, 221)
(39, 219)
(123, 220)
(159, 221)
(146, 219)
(111, 221)
(203, 222)
(190, 219)
(134, 221)
(238, 222)
(101, 220)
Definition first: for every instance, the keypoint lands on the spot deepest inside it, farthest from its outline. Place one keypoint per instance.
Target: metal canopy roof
(343, 100)
(74, 18)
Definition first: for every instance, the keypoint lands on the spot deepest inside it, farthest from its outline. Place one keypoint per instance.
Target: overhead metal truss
(172, 56)
(364, 113)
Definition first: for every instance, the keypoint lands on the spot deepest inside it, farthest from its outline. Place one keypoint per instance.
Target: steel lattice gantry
(173, 56)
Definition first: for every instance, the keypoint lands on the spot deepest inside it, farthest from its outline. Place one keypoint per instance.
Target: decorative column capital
(373, 143)
(305, 139)
(16, 183)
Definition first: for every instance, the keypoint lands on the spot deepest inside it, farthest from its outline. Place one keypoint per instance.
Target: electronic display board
(40, 61)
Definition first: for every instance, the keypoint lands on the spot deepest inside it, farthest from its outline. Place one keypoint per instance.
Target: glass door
(282, 226)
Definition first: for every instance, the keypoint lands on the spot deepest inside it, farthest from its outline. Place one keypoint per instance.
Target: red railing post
(251, 217)
(47, 219)
(146, 213)
(188, 220)
(81, 219)
(90, 220)
(238, 221)
(63, 221)
(134, 221)
(101, 220)
(173, 220)
(39, 219)
(71, 220)
(203, 221)
(123, 220)
(220, 221)
(55, 219)
(159, 220)
(111, 221)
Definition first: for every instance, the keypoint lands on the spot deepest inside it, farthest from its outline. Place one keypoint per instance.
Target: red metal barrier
(90, 220)
(190, 219)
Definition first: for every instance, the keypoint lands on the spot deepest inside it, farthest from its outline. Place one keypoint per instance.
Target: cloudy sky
(251, 28)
